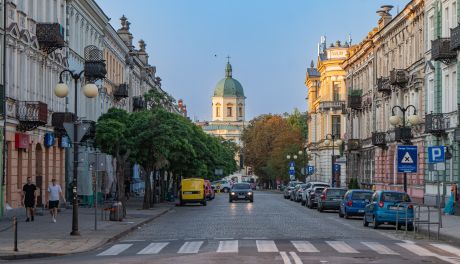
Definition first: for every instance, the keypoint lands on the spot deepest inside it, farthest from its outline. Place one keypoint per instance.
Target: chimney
(385, 16)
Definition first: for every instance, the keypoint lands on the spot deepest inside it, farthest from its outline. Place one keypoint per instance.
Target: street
(271, 230)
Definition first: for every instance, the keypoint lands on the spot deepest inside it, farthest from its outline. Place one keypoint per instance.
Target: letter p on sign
(436, 154)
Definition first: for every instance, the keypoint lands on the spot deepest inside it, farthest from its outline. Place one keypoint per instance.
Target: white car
(225, 186)
(306, 194)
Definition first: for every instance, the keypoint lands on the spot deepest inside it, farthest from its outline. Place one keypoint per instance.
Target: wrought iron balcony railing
(122, 91)
(383, 84)
(139, 103)
(436, 124)
(355, 102)
(379, 139)
(455, 38)
(31, 114)
(50, 36)
(354, 144)
(441, 51)
(334, 105)
(399, 77)
(59, 118)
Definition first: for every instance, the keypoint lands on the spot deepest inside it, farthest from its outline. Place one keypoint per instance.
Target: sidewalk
(44, 238)
(450, 230)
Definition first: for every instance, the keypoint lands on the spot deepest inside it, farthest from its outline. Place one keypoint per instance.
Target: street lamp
(404, 130)
(332, 137)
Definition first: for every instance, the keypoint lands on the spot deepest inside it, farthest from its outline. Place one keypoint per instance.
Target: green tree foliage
(269, 139)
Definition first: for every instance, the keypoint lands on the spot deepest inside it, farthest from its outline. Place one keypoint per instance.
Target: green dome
(228, 87)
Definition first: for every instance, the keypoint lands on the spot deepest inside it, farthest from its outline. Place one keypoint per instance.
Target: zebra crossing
(286, 248)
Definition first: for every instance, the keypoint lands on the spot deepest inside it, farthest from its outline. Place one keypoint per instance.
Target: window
(336, 125)
(446, 20)
(335, 91)
(240, 111)
(217, 110)
(229, 111)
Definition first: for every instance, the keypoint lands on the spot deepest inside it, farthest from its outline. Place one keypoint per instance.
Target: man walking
(29, 199)
(55, 192)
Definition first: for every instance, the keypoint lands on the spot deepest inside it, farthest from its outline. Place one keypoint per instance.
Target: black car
(241, 191)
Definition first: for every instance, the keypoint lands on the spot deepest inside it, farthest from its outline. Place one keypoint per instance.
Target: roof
(229, 87)
(313, 72)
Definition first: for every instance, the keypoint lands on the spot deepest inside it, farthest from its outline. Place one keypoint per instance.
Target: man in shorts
(55, 192)
(29, 199)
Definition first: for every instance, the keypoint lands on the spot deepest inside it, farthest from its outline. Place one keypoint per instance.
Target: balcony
(122, 91)
(455, 38)
(139, 103)
(399, 77)
(379, 139)
(435, 124)
(353, 144)
(383, 85)
(440, 50)
(403, 134)
(355, 99)
(31, 114)
(50, 36)
(59, 118)
(331, 105)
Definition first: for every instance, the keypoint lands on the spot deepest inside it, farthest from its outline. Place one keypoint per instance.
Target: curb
(20, 256)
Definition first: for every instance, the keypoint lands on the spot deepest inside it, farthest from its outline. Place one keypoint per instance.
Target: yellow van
(192, 191)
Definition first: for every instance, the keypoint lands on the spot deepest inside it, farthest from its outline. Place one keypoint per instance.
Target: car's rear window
(303, 186)
(361, 195)
(240, 186)
(321, 185)
(395, 197)
(319, 190)
(336, 192)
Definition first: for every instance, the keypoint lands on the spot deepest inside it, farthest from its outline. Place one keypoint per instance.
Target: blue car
(354, 202)
(385, 206)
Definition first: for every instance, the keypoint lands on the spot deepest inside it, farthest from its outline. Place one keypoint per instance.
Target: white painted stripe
(228, 246)
(304, 246)
(266, 246)
(341, 247)
(190, 247)
(379, 248)
(115, 250)
(416, 249)
(448, 248)
(153, 248)
(285, 257)
(296, 258)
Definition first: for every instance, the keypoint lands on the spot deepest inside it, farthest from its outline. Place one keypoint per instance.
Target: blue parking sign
(436, 154)
(407, 158)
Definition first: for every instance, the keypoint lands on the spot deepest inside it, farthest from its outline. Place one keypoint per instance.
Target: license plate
(400, 208)
(337, 199)
(241, 196)
(360, 211)
(188, 192)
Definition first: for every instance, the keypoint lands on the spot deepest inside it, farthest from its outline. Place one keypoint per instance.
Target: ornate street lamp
(94, 70)
(327, 142)
(403, 132)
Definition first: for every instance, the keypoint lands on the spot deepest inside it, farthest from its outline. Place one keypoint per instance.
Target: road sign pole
(405, 182)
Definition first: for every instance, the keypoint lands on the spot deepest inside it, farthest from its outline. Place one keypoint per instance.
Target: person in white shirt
(55, 192)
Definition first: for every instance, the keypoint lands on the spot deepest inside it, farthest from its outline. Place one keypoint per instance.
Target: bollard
(15, 230)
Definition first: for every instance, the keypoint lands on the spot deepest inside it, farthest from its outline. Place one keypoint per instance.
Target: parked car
(384, 207)
(192, 190)
(311, 185)
(241, 191)
(288, 189)
(210, 195)
(294, 192)
(354, 202)
(330, 198)
(223, 185)
(316, 191)
(298, 194)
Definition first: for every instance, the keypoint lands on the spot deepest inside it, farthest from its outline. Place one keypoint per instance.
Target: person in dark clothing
(29, 199)
(127, 188)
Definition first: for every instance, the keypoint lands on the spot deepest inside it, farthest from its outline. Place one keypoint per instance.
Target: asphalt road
(271, 230)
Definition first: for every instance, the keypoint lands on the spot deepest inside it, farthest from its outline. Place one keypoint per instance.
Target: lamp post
(293, 156)
(404, 131)
(332, 137)
(61, 90)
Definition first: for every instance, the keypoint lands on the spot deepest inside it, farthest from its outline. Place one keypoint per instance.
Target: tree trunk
(121, 184)
(154, 188)
(146, 204)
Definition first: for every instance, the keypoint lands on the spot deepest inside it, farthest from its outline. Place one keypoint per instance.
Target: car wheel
(320, 208)
(204, 203)
(302, 202)
(375, 224)
(340, 213)
(365, 223)
(251, 200)
(230, 200)
(410, 227)
(181, 203)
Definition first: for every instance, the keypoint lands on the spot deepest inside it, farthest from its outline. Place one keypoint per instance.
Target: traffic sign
(291, 172)
(407, 158)
(436, 154)
(310, 170)
(292, 164)
(336, 167)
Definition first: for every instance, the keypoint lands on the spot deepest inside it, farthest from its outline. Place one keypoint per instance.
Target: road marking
(304, 246)
(228, 246)
(341, 247)
(416, 249)
(379, 248)
(153, 248)
(296, 258)
(285, 257)
(448, 248)
(133, 240)
(266, 246)
(115, 250)
(190, 247)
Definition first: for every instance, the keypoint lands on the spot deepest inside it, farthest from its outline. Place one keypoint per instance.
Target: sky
(270, 42)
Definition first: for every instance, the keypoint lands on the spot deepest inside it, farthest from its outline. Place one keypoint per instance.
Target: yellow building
(326, 120)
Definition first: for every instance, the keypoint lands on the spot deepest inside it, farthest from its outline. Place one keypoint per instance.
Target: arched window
(229, 110)
(240, 110)
(217, 110)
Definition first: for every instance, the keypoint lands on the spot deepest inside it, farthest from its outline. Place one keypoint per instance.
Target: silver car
(289, 188)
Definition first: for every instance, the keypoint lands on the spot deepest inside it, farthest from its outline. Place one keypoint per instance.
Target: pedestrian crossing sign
(407, 158)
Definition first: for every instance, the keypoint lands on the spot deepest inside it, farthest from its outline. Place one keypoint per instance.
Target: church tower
(228, 101)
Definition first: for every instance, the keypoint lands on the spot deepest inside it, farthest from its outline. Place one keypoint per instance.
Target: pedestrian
(29, 199)
(55, 192)
(127, 188)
